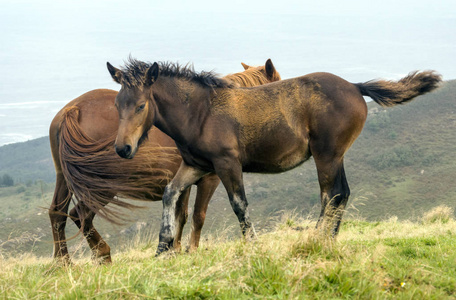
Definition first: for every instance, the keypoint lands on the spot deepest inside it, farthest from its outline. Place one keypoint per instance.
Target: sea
(53, 51)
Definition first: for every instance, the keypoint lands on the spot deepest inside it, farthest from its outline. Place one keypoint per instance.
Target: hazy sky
(53, 51)
(436, 8)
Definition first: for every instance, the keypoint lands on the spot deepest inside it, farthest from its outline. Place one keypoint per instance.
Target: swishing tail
(96, 175)
(390, 93)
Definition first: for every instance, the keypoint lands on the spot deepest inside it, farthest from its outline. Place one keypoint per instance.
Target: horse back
(276, 123)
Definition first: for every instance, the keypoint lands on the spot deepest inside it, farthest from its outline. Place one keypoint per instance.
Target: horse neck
(180, 105)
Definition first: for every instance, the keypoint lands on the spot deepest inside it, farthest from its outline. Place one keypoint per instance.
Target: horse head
(136, 111)
(268, 70)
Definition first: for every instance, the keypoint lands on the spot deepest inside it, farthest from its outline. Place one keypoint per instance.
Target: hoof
(163, 247)
(102, 260)
(58, 263)
(251, 235)
(63, 261)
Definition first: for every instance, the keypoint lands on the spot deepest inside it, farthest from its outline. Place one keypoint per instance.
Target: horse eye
(140, 108)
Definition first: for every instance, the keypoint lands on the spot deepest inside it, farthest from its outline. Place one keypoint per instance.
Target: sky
(53, 51)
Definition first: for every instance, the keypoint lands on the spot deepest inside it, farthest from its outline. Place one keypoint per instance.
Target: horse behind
(82, 139)
(223, 129)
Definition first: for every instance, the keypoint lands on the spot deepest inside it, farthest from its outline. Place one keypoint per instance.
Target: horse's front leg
(230, 172)
(185, 176)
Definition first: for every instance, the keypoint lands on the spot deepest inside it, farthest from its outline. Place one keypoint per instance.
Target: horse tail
(390, 93)
(96, 175)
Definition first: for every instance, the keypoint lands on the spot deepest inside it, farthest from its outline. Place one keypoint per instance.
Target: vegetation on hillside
(369, 260)
(6, 180)
(26, 161)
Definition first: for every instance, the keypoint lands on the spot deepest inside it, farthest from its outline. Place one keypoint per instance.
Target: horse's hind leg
(334, 193)
(83, 217)
(181, 217)
(58, 213)
(206, 188)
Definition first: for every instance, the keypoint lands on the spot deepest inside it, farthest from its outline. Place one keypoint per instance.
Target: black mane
(133, 74)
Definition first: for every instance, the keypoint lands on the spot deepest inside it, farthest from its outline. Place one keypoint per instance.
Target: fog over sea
(53, 51)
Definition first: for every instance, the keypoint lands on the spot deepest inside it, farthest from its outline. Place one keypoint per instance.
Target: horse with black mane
(82, 138)
(223, 129)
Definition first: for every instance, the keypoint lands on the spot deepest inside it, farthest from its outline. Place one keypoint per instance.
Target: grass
(369, 260)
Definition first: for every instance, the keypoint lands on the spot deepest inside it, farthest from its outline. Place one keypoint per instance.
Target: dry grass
(389, 259)
(439, 214)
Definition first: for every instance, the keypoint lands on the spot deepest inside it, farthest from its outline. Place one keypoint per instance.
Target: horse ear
(152, 74)
(270, 69)
(116, 74)
(245, 66)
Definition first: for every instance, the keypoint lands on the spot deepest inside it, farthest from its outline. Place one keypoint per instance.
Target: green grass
(378, 260)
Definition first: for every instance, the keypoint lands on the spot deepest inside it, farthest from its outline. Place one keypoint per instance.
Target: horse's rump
(96, 175)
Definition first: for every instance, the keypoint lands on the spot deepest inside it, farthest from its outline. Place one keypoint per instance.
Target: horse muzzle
(125, 151)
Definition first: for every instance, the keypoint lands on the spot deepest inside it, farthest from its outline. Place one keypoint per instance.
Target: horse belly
(281, 156)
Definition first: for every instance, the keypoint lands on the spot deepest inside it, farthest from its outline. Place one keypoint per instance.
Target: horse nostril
(118, 151)
(124, 151)
(127, 150)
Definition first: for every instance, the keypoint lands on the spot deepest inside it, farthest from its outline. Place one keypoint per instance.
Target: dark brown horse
(219, 128)
(82, 138)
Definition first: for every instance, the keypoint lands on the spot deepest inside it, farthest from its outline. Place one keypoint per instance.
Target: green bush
(379, 121)
(20, 189)
(6, 180)
(399, 156)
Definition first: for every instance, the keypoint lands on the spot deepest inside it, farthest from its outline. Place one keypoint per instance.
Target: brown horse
(82, 138)
(222, 129)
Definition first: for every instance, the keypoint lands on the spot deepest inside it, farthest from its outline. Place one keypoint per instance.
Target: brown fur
(265, 129)
(82, 136)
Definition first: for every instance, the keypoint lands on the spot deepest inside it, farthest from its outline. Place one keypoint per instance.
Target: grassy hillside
(27, 161)
(402, 165)
(370, 260)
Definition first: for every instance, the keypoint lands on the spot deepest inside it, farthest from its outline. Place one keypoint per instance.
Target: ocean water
(51, 52)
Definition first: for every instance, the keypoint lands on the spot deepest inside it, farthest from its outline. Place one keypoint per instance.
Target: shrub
(440, 214)
(378, 122)
(6, 180)
(398, 156)
(20, 189)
